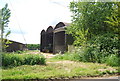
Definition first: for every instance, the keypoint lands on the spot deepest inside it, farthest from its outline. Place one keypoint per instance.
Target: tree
(88, 20)
(95, 28)
(4, 18)
(114, 20)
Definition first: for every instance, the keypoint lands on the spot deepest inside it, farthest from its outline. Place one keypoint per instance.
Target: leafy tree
(95, 28)
(4, 18)
(88, 20)
(114, 22)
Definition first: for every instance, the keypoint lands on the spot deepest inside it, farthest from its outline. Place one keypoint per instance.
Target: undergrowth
(80, 56)
(22, 59)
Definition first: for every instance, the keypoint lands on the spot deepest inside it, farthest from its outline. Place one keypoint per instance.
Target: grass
(111, 60)
(57, 69)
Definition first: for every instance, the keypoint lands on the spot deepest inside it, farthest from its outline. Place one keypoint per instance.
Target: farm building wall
(55, 40)
(15, 46)
(59, 42)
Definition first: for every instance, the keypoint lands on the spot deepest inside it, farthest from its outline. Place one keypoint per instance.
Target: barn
(55, 40)
(15, 46)
(47, 40)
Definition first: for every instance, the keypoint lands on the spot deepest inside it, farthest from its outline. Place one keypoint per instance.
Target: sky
(30, 17)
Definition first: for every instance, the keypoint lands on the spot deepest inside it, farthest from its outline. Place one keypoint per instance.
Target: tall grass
(22, 59)
(68, 56)
(88, 55)
(113, 60)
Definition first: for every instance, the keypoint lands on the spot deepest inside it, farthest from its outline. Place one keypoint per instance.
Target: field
(55, 68)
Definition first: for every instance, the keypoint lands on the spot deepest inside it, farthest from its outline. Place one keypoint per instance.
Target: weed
(22, 59)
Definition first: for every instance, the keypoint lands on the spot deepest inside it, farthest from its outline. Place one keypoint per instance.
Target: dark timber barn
(15, 46)
(47, 40)
(55, 40)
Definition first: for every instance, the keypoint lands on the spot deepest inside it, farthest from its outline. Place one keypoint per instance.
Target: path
(48, 55)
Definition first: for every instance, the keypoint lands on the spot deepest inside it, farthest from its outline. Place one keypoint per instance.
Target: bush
(100, 48)
(12, 60)
(20, 59)
(33, 46)
(34, 59)
(112, 60)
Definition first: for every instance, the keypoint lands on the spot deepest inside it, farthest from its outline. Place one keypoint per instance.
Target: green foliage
(95, 27)
(114, 20)
(34, 59)
(113, 60)
(101, 49)
(22, 59)
(4, 19)
(68, 56)
(33, 46)
(81, 37)
(19, 52)
(5, 16)
(88, 20)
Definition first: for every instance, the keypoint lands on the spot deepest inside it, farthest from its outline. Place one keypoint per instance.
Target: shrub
(34, 59)
(33, 46)
(112, 60)
(11, 60)
(22, 59)
(99, 48)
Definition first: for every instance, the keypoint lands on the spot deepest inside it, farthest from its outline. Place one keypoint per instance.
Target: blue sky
(31, 16)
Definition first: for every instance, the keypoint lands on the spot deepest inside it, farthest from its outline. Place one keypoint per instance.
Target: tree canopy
(95, 28)
(92, 18)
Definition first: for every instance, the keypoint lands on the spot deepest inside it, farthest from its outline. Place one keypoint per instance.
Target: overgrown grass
(112, 60)
(67, 56)
(22, 59)
(58, 69)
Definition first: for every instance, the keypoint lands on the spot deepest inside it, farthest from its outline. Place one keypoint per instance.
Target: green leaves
(94, 16)
(81, 37)
(95, 28)
(7, 33)
(114, 20)
(4, 19)
(5, 16)
(22, 59)
(33, 46)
